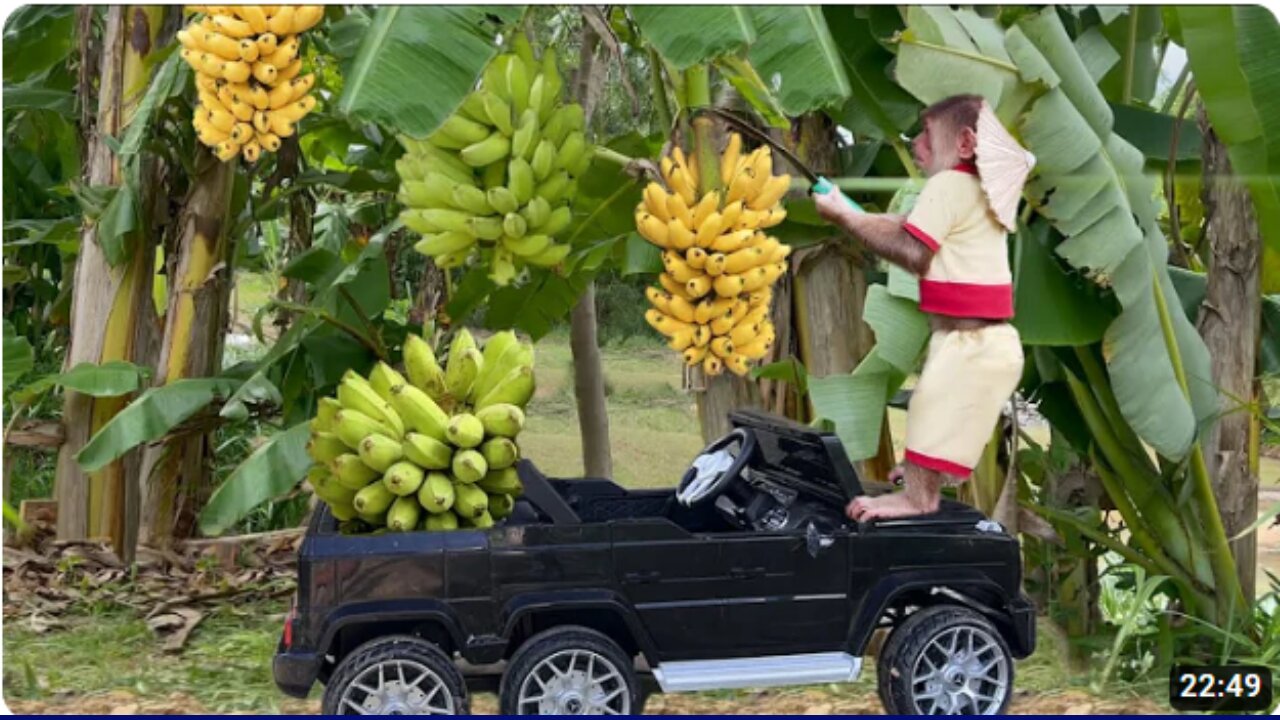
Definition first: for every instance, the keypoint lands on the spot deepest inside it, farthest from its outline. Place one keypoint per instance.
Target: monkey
(953, 242)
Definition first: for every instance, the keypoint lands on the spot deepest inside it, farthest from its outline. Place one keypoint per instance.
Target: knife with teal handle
(822, 186)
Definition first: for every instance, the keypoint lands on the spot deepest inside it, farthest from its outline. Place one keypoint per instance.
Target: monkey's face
(939, 147)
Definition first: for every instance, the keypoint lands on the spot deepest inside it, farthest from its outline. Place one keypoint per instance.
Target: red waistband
(992, 302)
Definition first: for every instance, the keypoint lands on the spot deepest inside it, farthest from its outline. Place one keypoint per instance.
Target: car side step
(769, 671)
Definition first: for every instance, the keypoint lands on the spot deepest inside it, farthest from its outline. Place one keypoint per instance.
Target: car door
(785, 592)
(673, 580)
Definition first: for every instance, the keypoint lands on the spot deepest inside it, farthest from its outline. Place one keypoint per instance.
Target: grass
(226, 664)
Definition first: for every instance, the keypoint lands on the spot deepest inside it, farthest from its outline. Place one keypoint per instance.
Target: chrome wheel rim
(397, 687)
(962, 671)
(574, 682)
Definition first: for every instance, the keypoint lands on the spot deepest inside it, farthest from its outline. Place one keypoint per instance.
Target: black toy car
(747, 575)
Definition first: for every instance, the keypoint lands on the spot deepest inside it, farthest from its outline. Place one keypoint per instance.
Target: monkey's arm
(884, 235)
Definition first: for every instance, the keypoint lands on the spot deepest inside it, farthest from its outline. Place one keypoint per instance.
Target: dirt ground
(787, 702)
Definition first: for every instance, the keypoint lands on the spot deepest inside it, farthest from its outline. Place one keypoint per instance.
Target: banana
(732, 241)
(744, 334)
(760, 297)
(379, 452)
(501, 200)
(729, 285)
(426, 451)
(775, 216)
(696, 257)
(536, 213)
(472, 199)
(518, 86)
(679, 236)
(677, 267)
(485, 228)
(708, 230)
(698, 287)
(356, 393)
(729, 158)
(255, 96)
(770, 193)
(554, 83)
(653, 229)
(226, 150)
(724, 324)
(544, 160)
(505, 481)
(520, 180)
(499, 453)
(712, 365)
(420, 413)
(279, 124)
(465, 431)
(501, 505)
(655, 202)
(267, 44)
(253, 15)
(553, 255)
(555, 187)
(289, 72)
(373, 499)
(493, 175)
(494, 78)
(705, 208)
(515, 388)
(232, 27)
(436, 493)
(251, 150)
(219, 44)
(264, 73)
(693, 355)
(469, 500)
(441, 522)
(487, 151)
(666, 324)
(464, 131)
(678, 210)
(660, 300)
(563, 121)
(220, 119)
(498, 112)
(684, 185)
(571, 152)
(711, 309)
(295, 111)
(527, 246)
(514, 225)
(326, 415)
(382, 378)
(737, 364)
(323, 447)
(670, 285)
(403, 478)
(241, 133)
(281, 22)
(349, 472)
(269, 141)
(740, 187)
(420, 365)
(730, 214)
(537, 91)
(745, 259)
(404, 514)
(435, 220)
(526, 137)
(305, 18)
(468, 466)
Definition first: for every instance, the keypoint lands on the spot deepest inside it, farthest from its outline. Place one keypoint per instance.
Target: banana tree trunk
(588, 370)
(176, 472)
(110, 305)
(302, 210)
(1230, 323)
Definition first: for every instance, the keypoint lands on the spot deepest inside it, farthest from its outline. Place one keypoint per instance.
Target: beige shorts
(968, 377)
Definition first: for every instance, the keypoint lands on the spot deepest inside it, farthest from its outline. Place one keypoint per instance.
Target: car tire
(928, 665)
(407, 676)
(557, 671)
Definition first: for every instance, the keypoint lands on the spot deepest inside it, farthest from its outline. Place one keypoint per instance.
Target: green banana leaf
(1099, 200)
(877, 108)
(1233, 52)
(111, 379)
(18, 355)
(153, 415)
(1134, 37)
(1096, 52)
(37, 37)
(1053, 307)
(417, 63)
(794, 53)
(687, 35)
(272, 470)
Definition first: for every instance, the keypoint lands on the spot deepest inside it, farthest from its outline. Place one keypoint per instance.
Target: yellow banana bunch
(248, 75)
(433, 448)
(719, 264)
(496, 181)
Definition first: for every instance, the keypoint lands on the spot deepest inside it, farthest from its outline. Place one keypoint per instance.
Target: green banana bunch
(495, 182)
(424, 447)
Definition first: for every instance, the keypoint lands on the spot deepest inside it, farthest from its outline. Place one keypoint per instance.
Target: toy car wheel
(396, 675)
(570, 671)
(946, 660)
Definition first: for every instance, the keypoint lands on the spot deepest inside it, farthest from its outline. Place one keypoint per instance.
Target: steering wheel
(715, 467)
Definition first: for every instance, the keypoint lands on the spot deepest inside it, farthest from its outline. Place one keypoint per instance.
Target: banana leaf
(272, 470)
(417, 63)
(1234, 52)
(877, 108)
(18, 355)
(687, 35)
(795, 53)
